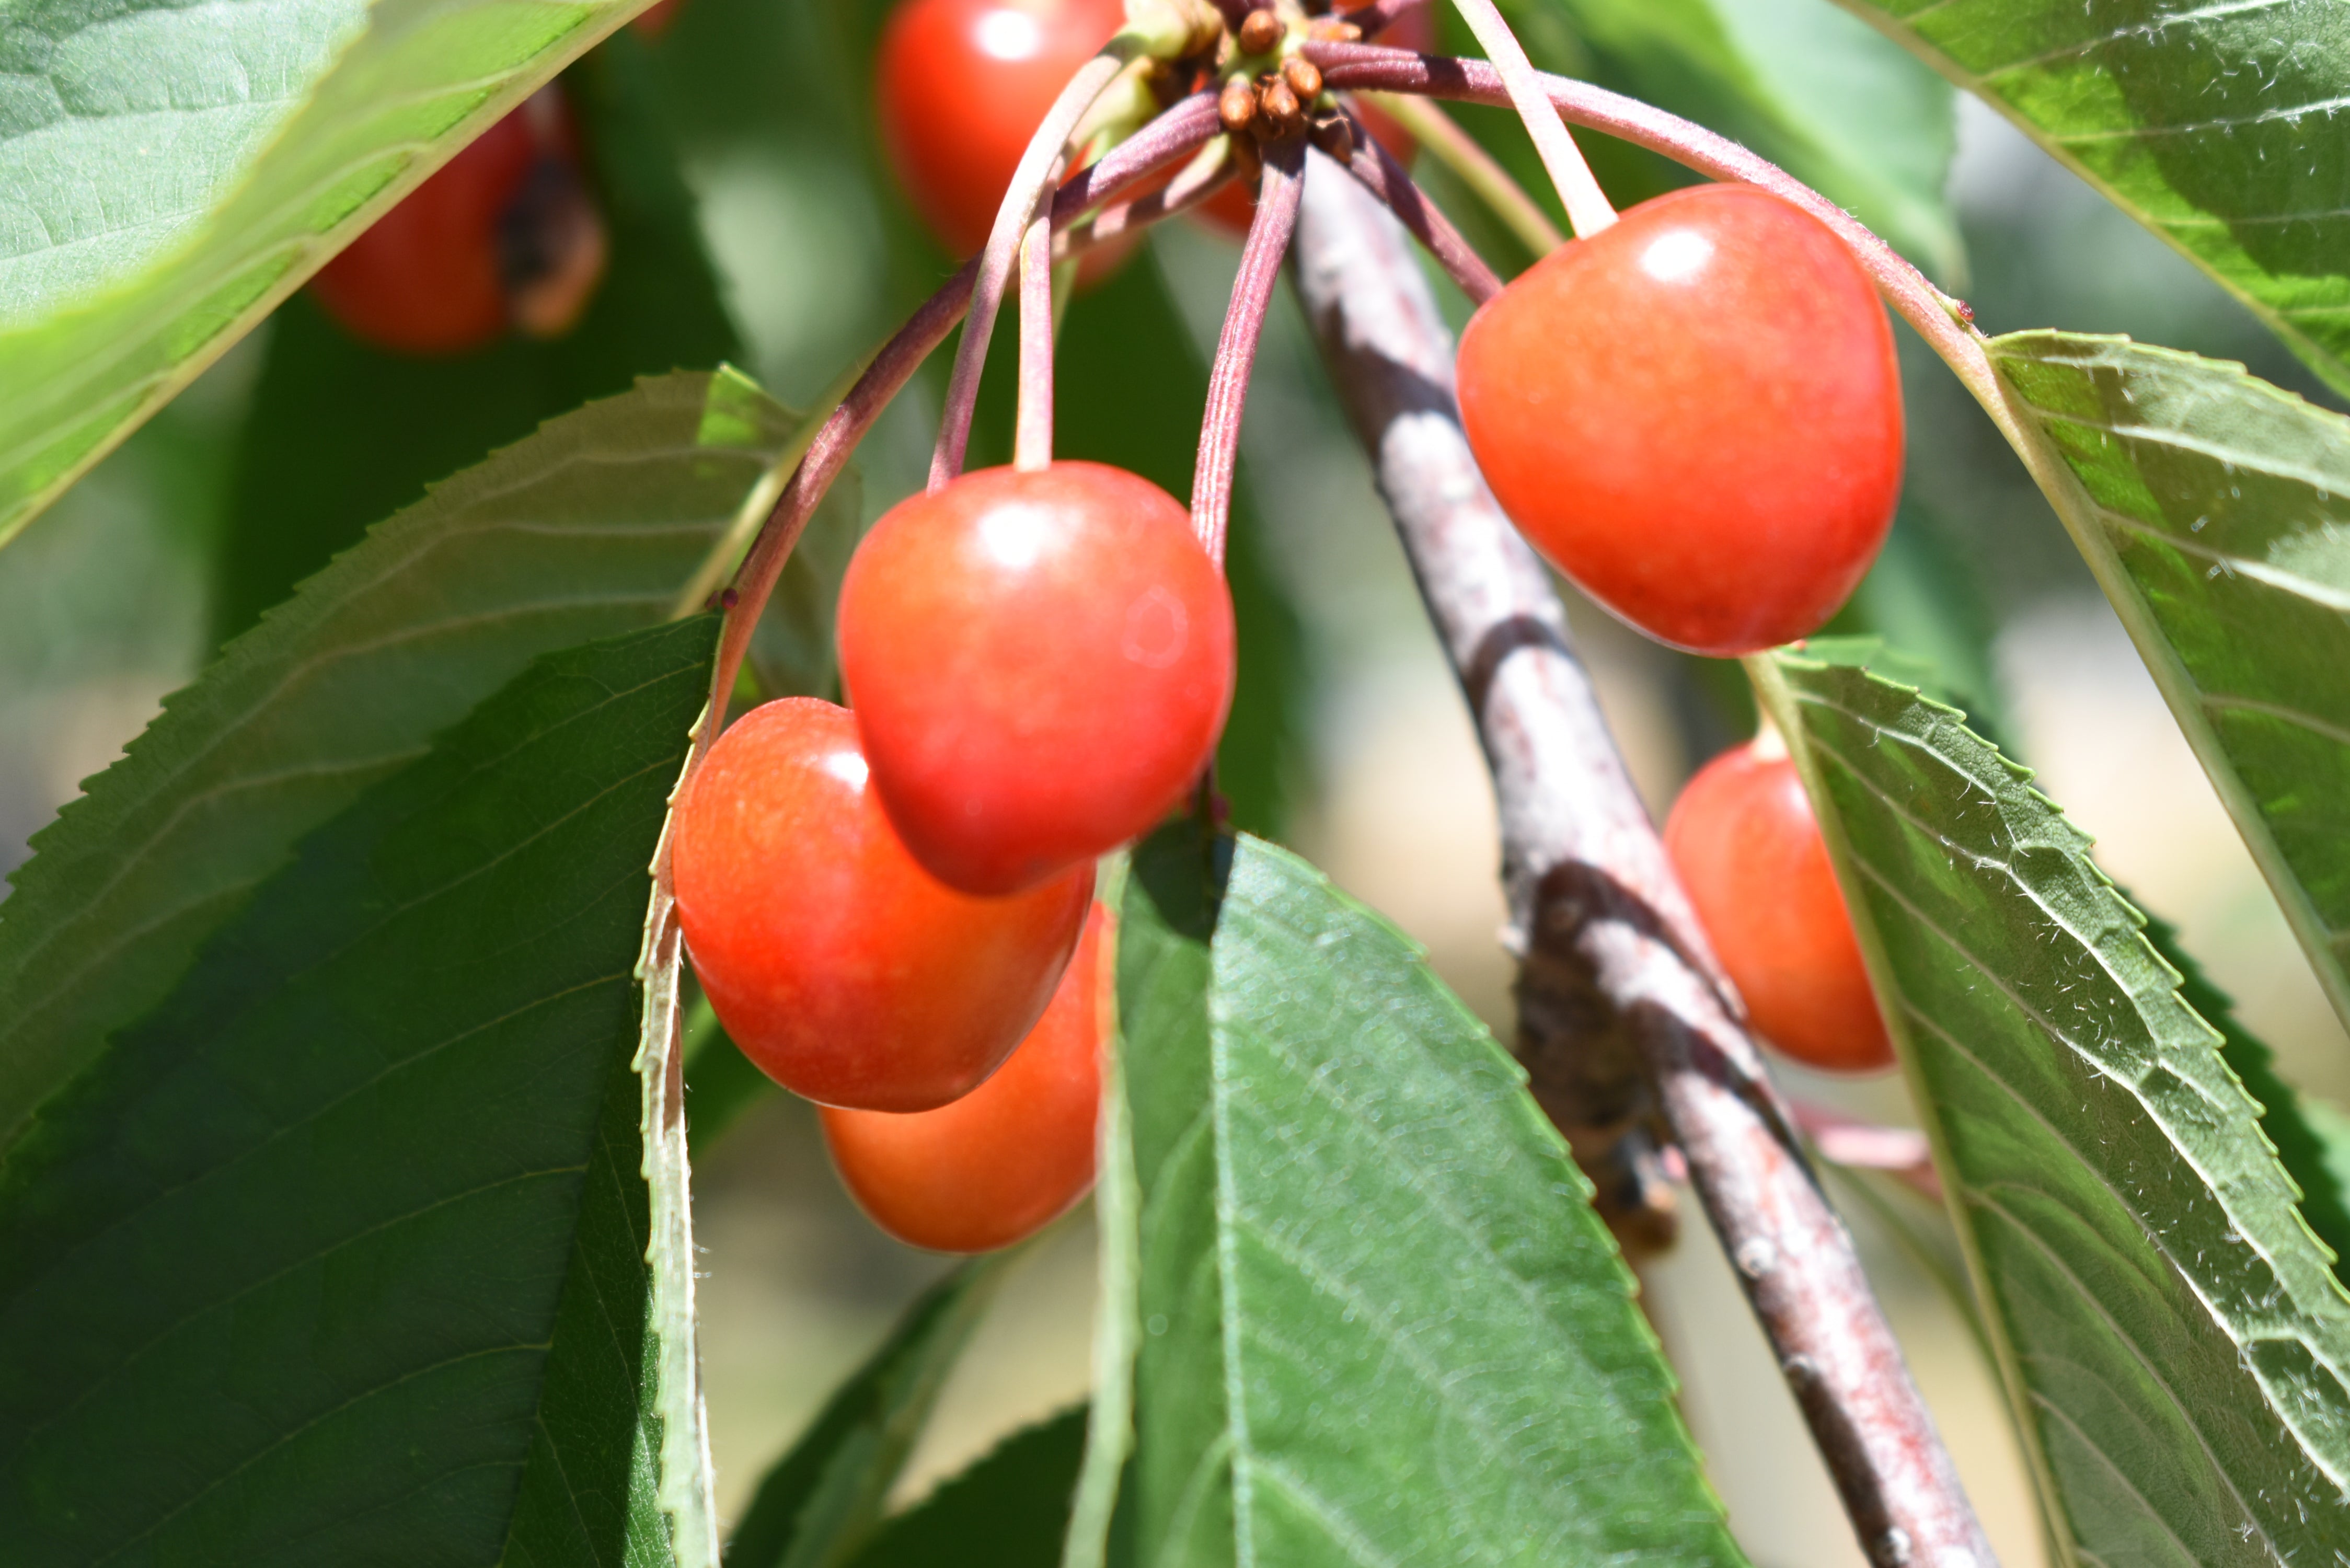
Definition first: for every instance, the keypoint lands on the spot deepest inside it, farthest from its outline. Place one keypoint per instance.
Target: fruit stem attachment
(1031, 437)
(1457, 150)
(1227, 377)
(1033, 176)
(1587, 207)
(1622, 1011)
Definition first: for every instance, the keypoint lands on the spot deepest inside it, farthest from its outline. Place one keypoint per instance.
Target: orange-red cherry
(503, 235)
(1006, 1159)
(1748, 851)
(848, 973)
(963, 86)
(1040, 663)
(1695, 415)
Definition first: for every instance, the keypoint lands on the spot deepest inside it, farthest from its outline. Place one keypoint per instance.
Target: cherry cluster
(1692, 411)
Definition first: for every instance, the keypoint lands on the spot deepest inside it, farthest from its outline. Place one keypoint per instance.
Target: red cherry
(1040, 664)
(964, 84)
(1696, 415)
(1750, 853)
(503, 235)
(840, 967)
(1006, 1159)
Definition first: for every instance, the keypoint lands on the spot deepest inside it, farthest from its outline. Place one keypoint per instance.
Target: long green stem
(1587, 207)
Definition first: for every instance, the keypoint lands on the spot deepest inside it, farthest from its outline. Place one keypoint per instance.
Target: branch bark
(1625, 1021)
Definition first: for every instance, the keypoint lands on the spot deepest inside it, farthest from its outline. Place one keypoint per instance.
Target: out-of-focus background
(105, 607)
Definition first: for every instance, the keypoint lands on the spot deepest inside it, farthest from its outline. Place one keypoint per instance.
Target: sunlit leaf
(2172, 1339)
(2215, 511)
(175, 170)
(1380, 1321)
(2218, 126)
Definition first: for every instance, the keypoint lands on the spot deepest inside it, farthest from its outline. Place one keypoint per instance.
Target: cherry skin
(505, 235)
(1748, 851)
(1006, 1159)
(839, 966)
(1695, 415)
(1040, 664)
(964, 84)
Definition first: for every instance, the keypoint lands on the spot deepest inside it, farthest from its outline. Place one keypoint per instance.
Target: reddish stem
(1905, 288)
(1183, 193)
(1386, 179)
(1032, 439)
(1220, 428)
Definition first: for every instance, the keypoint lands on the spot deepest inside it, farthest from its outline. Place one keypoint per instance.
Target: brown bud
(1280, 107)
(1260, 33)
(1305, 78)
(1236, 104)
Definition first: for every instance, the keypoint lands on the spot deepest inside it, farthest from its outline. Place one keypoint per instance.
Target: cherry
(964, 84)
(1040, 663)
(839, 966)
(1006, 1159)
(1750, 853)
(1695, 415)
(502, 235)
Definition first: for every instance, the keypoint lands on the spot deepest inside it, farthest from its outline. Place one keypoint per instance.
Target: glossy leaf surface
(311, 1249)
(1356, 1220)
(2173, 1341)
(174, 172)
(2215, 511)
(2218, 126)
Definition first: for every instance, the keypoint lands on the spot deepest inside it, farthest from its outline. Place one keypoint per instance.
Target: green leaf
(2214, 512)
(1009, 1510)
(2171, 1337)
(1381, 1324)
(820, 1503)
(1807, 86)
(2214, 124)
(342, 433)
(2296, 1129)
(176, 171)
(586, 528)
(296, 1248)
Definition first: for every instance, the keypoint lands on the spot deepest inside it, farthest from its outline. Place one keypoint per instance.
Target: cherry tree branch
(1619, 997)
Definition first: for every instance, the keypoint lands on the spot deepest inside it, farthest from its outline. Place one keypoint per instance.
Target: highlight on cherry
(1691, 409)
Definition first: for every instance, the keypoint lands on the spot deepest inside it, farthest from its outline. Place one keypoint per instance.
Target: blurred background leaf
(297, 1246)
(181, 172)
(342, 433)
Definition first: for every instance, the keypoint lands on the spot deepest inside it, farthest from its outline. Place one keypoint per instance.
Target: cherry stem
(1031, 437)
(1623, 1014)
(1032, 176)
(1386, 178)
(1587, 208)
(1934, 314)
(1227, 377)
(1460, 152)
(1202, 179)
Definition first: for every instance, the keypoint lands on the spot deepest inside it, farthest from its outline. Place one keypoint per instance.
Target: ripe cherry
(505, 235)
(839, 966)
(1750, 853)
(1695, 415)
(1040, 663)
(1006, 1159)
(963, 85)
